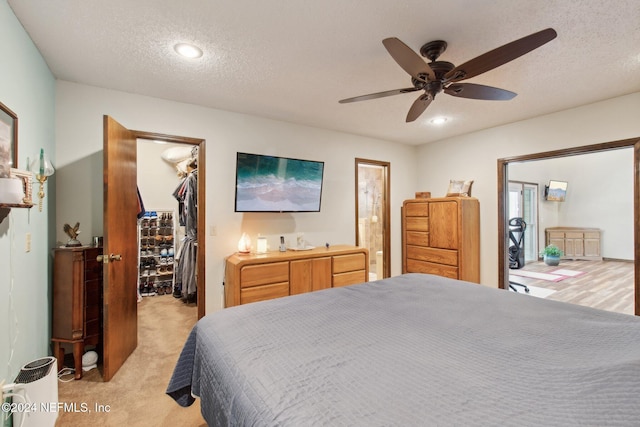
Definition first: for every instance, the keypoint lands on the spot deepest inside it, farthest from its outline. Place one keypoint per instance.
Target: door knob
(111, 257)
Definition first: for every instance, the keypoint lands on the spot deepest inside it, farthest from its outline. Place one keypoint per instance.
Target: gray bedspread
(412, 350)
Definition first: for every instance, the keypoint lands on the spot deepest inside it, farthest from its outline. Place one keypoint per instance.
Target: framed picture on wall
(556, 191)
(8, 140)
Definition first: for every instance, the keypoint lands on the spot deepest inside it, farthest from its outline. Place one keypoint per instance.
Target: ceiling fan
(437, 76)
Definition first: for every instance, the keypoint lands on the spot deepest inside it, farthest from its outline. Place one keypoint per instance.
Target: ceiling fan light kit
(441, 76)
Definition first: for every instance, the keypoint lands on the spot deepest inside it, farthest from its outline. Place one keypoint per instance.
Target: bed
(412, 350)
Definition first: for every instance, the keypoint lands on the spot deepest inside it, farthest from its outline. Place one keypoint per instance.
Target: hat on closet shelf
(176, 155)
(180, 157)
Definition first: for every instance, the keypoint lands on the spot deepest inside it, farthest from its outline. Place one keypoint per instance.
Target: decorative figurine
(72, 232)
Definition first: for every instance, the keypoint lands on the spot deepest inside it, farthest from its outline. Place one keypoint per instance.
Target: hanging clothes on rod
(187, 196)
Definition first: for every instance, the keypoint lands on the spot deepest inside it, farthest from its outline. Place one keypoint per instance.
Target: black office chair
(516, 249)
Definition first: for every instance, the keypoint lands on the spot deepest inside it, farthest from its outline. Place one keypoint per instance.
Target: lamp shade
(244, 244)
(42, 165)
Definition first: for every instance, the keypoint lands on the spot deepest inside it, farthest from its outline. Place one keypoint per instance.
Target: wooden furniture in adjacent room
(575, 242)
(442, 236)
(77, 302)
(257, 277)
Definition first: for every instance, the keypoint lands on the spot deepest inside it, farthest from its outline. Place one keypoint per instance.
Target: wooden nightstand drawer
(345, 263)
(262, 274)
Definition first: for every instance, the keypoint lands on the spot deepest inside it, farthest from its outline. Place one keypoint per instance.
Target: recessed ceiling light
(188, 50)
(438, 120)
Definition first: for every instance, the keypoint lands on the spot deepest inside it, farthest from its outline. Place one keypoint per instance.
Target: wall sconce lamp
(43, 169)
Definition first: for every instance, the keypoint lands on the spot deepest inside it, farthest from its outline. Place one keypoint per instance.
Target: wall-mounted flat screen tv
(277, 184)
(556, 191)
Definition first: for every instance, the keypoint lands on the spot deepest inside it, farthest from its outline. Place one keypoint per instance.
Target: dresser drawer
(573, 235)
(262, 274)
(92, 312)
(555, 234)
(416, 223)
(416, 209)
(416, 266)
(344, 263)
(349, 278)
(435, 255)
(262, 293)
(92, 328)
(417, 238)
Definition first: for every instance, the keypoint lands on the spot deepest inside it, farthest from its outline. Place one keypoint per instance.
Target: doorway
(523, 203)
(503, 197)
(164, 170)
(199, 146)
(372, 214)
(121, 206)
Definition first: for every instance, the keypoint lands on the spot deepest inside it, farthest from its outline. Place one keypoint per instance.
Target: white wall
(80, 111)
(157, 179)
(27, 88)
(599, 195)
(474, 156)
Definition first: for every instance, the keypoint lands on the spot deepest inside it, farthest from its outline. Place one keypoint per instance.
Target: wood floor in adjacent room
(607, 285)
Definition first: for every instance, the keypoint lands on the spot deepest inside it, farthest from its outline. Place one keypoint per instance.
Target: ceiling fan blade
(500, 55)
(418, 107)
(410, 61)
(474, 91)
(378, 95)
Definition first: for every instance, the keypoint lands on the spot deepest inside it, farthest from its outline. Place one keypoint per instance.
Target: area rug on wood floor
(568, 273)
(537, 275)
(535, 291)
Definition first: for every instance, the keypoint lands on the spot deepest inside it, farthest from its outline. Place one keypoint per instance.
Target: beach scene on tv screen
(275, 184)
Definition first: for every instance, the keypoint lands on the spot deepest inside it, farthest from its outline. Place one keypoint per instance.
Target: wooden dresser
(257, 277)
(575, 242)
(442, 236)
(77, 302)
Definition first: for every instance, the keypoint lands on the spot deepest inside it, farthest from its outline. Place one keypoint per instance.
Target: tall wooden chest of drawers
(77, 302)
(442, 236)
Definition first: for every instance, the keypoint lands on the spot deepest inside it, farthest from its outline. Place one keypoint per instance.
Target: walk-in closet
(167, 222)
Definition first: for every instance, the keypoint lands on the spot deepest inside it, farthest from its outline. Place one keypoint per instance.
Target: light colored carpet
(136, 394)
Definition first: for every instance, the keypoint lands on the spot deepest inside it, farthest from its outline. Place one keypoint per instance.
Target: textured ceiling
(293, 60)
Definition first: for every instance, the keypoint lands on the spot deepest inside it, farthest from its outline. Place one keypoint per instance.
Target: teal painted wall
(28, 88)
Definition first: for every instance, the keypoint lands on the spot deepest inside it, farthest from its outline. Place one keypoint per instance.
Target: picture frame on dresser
(8, 140)
(27, 183)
